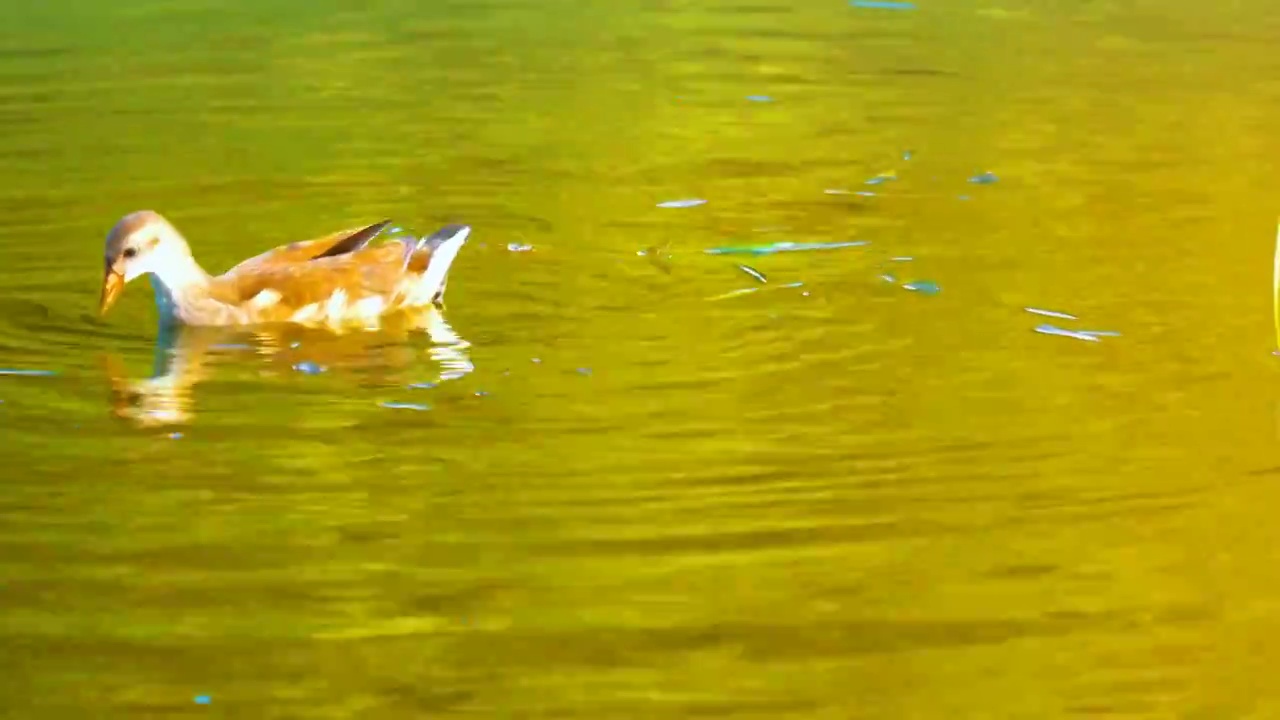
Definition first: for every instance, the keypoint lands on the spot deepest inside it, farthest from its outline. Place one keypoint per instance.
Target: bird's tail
(443, 246)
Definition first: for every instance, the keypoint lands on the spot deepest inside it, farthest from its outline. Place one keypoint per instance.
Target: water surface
(609, 484)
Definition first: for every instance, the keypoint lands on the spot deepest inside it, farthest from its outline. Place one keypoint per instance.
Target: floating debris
(1053, 330)
(656, 258)
(17, 372)
(883, 4)
(842, 191)
(405, 406)
(753, 272)
(519, 247)
(309, 368)
(1051, 313)
(924, 287)
(760, 98)
(689, 202)
(785, 246)
(735, 293)
(749, 290)
(986, 178)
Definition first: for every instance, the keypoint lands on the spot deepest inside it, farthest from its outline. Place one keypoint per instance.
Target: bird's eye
(130, 252)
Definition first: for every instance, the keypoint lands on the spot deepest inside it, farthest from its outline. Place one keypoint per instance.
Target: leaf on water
(785, 246)
(924, 287)
(404, 406)
(883, 4)
(735, 293)
(753, 272)
(1060, 332)
(1051, 313)
(688, 202)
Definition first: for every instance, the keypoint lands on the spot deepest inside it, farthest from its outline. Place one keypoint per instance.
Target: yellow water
(633, 492)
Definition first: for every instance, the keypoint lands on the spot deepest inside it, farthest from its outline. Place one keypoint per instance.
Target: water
(827, 500)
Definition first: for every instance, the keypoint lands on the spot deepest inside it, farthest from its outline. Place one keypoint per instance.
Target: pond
(806, 360)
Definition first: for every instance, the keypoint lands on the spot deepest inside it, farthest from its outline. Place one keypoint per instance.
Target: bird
(338, 280)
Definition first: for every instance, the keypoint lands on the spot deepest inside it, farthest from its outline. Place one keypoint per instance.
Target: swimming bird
(337, 280)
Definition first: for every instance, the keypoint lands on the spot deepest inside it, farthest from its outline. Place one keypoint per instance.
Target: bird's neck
(181, 285)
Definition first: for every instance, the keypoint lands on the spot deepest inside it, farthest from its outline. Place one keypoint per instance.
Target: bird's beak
(112, 284)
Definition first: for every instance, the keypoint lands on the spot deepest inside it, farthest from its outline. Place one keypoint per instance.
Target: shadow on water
(186, 356)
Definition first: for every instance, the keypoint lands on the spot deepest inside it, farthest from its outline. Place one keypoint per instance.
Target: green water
(632, 492)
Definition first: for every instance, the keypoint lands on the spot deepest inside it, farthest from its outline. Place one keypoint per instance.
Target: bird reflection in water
(186, 355)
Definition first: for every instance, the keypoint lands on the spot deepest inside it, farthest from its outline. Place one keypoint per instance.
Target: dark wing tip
(443, 235)
(354, 241)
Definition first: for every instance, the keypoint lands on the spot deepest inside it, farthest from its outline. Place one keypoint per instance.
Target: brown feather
(333, 244)
(361, 274)
(355, 241)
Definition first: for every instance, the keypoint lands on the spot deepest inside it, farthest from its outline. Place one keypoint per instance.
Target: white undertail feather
(306, 313)
(433, 280)
(336, 304)
(266, 298)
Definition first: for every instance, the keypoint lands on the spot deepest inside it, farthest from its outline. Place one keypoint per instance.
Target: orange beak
(112, 284)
